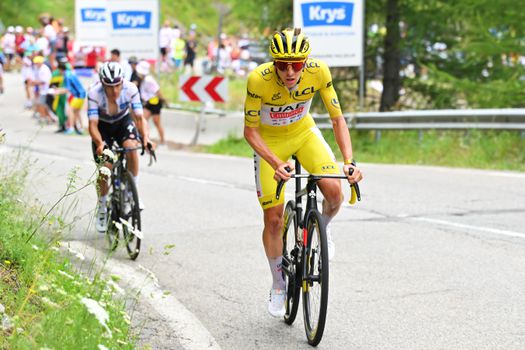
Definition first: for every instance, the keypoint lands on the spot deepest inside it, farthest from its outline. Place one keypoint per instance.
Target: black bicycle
(123, 203)
(305, 254)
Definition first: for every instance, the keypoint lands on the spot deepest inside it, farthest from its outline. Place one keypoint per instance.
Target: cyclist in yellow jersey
(277, 125)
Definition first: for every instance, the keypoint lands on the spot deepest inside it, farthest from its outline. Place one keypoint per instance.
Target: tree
(392, 57)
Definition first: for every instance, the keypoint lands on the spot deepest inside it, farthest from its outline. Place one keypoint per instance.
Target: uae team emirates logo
(284, 112)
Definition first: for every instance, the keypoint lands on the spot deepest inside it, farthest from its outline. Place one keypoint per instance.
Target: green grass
(40, 289)
(501, 150)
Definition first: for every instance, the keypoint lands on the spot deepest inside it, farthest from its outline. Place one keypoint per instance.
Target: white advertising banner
(133, 28)
(91, 22)
(335, 29)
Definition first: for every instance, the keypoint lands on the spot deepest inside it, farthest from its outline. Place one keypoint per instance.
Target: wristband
(350, 161)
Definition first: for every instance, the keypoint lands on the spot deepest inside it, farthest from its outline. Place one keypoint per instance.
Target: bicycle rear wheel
(291, 263)
(131, 213)
(315, 278)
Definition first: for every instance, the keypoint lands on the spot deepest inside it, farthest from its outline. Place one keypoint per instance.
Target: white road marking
(187, 328)
(473, 228)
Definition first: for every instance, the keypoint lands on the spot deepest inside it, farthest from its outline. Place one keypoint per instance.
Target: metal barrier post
(198, 122)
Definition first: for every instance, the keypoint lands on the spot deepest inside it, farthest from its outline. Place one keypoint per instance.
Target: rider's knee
(274, 222)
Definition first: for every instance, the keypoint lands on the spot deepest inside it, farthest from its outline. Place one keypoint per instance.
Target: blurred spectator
(2, 59)
(19, 43)
(115, 57)
(61, 44)
(9, 47)
(77, 95)
(224, 59)
(191, 47)
(41, 81)
(42, 45)
(178, 52)
(165, 39)
(135, 79)
(151, 97)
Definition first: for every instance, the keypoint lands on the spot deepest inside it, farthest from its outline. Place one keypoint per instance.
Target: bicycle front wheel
(290, 263)
(315, 278)
(113, 210)
(131, 213)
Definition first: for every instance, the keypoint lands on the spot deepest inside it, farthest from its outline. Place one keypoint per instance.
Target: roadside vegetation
(501, 150)
(44, 302)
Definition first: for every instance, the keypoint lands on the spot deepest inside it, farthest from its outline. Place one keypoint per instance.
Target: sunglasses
(283, 65)
(114, 82)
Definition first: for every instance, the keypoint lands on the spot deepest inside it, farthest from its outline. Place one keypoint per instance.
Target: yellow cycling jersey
(273, 108)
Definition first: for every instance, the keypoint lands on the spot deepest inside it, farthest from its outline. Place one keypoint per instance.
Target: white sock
(277, 273)
(102, 201)
(135, 180)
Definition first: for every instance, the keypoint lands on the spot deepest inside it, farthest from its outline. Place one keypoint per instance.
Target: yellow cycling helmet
(289, 45)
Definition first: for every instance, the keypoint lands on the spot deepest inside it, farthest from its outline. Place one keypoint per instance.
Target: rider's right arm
(93, 119)
(92, 110)
(96, 137)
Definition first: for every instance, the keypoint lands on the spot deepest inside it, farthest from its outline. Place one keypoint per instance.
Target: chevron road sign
(206, 88)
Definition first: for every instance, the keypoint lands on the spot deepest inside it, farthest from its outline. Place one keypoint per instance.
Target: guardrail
(501, 119)
(451, 119)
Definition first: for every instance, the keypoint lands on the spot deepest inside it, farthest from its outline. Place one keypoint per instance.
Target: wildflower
(111, 156)
(65, 274)
(7, 262)
(115, 278)
(34, 247)
(115, 287)
(102, 347)
(61, 291)
(7, 325)
(100, 314)
(79, 255)
(46, 300)
(104, 171)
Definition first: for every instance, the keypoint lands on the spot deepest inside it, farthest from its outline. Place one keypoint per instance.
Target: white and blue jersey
(98, 107)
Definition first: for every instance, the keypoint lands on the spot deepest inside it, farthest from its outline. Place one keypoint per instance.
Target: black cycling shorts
(120, 131)
(154, 109)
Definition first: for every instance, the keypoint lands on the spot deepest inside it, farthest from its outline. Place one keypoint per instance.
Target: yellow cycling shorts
(76, 103)
(311, 150)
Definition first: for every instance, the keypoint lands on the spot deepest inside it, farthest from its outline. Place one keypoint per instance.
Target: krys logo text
(327, 14)
(131, 19)
(93, 15)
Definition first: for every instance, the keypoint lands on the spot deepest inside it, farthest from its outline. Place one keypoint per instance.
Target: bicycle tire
(316, 248)
(290, 259)
(131, 240)
(112, 234)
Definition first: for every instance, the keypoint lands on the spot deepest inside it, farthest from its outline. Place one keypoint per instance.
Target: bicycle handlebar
(124, 150)
(353, 187)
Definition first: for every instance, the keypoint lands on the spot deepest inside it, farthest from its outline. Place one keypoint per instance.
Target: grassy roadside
(44, 302)
(498, 150)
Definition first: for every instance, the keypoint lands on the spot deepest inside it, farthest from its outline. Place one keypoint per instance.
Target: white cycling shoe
(331, 245)
(276, 306)
(101, 221)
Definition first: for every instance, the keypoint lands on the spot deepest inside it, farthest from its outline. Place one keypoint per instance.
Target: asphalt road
(432, 258)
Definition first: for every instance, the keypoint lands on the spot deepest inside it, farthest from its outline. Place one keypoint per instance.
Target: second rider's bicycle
(123, 204)
(305, 254)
